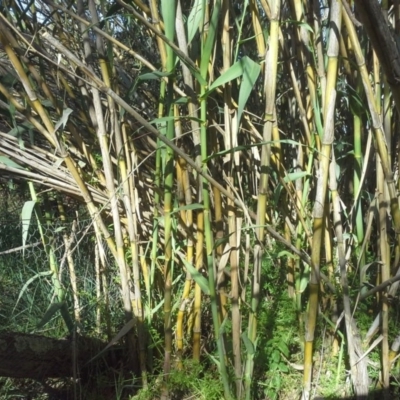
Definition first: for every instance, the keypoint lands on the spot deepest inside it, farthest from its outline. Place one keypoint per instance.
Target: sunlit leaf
(10, 163)
(251, 72)
(195, 18)
(196, 275)
(154, 75)
(248, 344)
(293, 176)
(26, 215)
(63, 120)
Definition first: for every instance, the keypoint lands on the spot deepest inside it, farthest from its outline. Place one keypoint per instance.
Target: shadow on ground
(372, 395)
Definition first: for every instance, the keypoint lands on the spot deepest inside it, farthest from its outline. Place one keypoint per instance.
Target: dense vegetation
(211, 186)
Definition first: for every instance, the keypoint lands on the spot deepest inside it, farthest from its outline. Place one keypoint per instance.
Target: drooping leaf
(293, 176)
(122, 332)
(196, 17)
(28, 282)
(250, 350)
(17, 131)
(26, 215)
(181, 100)
(63, 120)
(196, 275)
(283, 348)
(53, 308)
(10, 163)
(234, 72)
(210, 40)
(251, 71)
(155, 75)
(285, 253)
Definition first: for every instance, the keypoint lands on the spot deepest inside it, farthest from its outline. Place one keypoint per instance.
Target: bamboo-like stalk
(186, 216)
(383, 152)
(258, 33)
(303, 37)
(271, 61)
(207, 49)
(383, 243)
(318, 227)
(109, 175)
(154, 7)
(187, 221)
(225, 165)
(359, 372)
(168, 12)
(318, 44)
(376, 122)
(181, 175)
(356, 184)
(98, 287)
(299, 244)
(322, 184)
(231, 141)
(128, 197)
(197, 291)
(50, 136)
(98, 83)
(48, 243)
(156, 205)
(68, 242)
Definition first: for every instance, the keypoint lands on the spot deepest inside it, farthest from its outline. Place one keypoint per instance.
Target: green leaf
(63, 120)
(53, 308)
(123, 331)
(301, 24)
(196, 275)
(276, 356)
(8, 79)
(10, 163)
(210, 40)
(285, 253)
(221, 241)
(157, 307)
(26, 215)
(216, 362)
(303, 283)
(248, 344)
(155, 75)
(293, 176)
(168, 10)
(223, 326)
(251, 71)
(28, 282)
(181, 100)
(17, 131)
(46, 103)
(282, 346)
(230, 74)
(196, 17)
